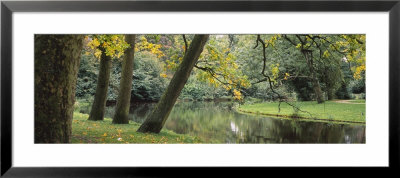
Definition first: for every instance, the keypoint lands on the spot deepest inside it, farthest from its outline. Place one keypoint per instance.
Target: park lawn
(85, 131)
(328, 111)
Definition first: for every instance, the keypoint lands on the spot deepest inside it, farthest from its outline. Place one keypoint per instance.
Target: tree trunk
(100, 98)
(317, 88)
(125, 86)
(156, 120)
(57, 60)
(331, 93)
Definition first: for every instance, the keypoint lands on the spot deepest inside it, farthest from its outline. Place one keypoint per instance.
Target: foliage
(354, 47)
(232, 65)
(331, 55)
(216, 66)
(344, 92)
(148, 84)
(357, 86)
(87, 76)
(114, 45)
(144, 45)
(198, 90)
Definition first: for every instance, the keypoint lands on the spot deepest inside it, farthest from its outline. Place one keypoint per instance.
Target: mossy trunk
(316, 86)
(156, 120)
(100, 98)
(57, 60)
(125, 86)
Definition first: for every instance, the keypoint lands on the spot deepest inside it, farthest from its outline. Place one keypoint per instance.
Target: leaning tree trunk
(57, 60)
(125, 86)
(100, 98)
(155, 121)
(317, 88)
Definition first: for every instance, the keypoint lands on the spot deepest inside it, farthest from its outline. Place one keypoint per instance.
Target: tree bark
(317, 88)
(156, 120)
(100, 98)
(124, 94)
(57, 59)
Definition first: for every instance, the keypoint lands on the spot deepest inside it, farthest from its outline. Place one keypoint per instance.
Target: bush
(147, 83)
(359, 96)
(344, 92)
(357, 86)
(87, 76)
(197, 90)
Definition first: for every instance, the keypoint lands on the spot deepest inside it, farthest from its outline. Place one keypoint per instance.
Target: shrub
(357, 86)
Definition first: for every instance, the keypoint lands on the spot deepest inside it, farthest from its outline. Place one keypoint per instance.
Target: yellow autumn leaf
(237, 94)
(95, 42)
(163, 75)
(326, 54)
(97, 54)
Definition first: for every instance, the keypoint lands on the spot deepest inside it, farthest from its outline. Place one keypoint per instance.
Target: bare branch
(268, 78)
(288, 39)
(186, 45)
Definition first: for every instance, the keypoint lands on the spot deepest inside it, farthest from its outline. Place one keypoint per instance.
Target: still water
(217, 122)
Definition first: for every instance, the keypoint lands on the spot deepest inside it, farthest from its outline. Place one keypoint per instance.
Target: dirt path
(346, 102)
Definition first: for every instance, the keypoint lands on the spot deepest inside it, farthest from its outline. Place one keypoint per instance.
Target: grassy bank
(340, 111)
(84, 131)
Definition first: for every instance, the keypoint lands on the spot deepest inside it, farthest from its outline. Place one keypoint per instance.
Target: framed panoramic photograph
(111, 88)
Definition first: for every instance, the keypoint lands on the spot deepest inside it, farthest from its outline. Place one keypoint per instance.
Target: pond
(217, 122)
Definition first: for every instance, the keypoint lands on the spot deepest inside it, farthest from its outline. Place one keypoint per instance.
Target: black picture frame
(8, 7)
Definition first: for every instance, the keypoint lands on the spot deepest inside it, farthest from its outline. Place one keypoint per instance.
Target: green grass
(85, 131)
(328, 111)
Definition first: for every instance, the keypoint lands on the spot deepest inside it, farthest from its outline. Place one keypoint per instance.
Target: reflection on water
(217, 123)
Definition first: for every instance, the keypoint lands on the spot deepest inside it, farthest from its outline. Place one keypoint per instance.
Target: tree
(332, 76)
(57, 60)
(310, 62)
(104, 47)
(99, 103)
(156, 120)
(305, 44)
(124, 94)
(216, 66)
